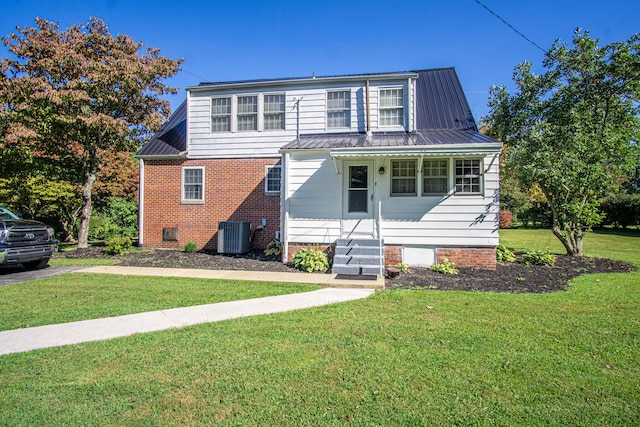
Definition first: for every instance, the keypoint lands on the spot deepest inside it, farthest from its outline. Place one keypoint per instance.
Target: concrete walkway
(21, 340)
(331, 280)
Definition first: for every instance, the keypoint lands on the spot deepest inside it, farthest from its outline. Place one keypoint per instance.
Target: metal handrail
(381, 261)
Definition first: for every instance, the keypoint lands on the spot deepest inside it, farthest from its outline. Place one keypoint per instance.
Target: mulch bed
(508, 277)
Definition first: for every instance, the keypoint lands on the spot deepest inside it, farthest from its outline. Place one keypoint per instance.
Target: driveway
(16, 273)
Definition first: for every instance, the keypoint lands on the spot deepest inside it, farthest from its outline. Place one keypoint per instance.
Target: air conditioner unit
(234, 237)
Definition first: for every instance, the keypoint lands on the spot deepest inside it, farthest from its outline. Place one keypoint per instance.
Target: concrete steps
(357, 257)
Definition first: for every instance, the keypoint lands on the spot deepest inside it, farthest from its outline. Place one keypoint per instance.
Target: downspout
(141, 205)
(284, 208)
(368, 107)
(298, 117)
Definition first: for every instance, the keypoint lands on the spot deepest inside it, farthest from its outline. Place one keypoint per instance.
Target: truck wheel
(36, 265)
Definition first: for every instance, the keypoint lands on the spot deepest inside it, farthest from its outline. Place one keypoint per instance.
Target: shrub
(506, 219)
(444, 267)
(118, 218)
(538, 215)
(274, 247)
(539, 258)
(118, 245)
(503, 254)
(404, 268)
(621, 210)
(190, 247)
(310, 260)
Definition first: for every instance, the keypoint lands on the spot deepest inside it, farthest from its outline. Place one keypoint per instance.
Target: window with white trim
(391, 108)
(339, 109)
(193, 184)
(220, 114)
(273, 112)
(468, 176)
(403, 177)
(247, 113)
(272, 179)
(435, 176)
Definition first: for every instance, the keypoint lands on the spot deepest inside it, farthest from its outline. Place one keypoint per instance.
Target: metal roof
(440, 101)
(171, 138)
(426, 138)
(312, 79)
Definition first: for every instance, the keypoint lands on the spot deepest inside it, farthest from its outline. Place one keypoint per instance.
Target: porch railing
(379, 226)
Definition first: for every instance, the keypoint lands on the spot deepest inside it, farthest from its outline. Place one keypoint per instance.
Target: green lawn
(398, 358)
(80, 296)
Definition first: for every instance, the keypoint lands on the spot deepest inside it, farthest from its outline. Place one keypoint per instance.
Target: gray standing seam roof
(171, 138)
(443, 117)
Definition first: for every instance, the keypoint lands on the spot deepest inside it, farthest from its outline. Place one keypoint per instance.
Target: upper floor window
(391, 108)
(247, 113)
(273, 112)
(193, 184)
(468, 176)
(221, 115)
(272, 180)
(339, 109)
(403, 178)
(435, 176)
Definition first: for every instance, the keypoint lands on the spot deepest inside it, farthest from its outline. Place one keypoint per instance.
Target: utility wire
(510, 26)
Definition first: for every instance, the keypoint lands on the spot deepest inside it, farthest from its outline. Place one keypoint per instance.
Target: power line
(510, 26)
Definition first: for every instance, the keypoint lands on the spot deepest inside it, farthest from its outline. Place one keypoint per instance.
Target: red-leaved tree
(81, 93)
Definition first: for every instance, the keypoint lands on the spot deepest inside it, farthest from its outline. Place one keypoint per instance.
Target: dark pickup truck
(26, 242)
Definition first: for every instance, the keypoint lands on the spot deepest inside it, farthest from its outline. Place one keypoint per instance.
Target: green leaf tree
(572, 130)
(77, 94)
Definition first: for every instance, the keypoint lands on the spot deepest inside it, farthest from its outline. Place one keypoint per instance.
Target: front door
(358, 200)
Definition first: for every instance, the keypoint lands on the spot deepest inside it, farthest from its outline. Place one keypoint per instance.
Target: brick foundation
(233, 191)
(481, 258)
(392, 254)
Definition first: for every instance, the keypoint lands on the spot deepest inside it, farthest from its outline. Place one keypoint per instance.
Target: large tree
(79, 94)
(572, 130)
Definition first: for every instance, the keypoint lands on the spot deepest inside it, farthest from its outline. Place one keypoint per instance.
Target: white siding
(315, 207)
(206, 144)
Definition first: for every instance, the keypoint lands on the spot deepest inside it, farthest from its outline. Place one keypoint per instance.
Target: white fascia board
(428, 150)
(303, 81)
(182, 155)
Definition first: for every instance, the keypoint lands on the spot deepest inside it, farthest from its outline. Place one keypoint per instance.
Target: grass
(80, 296)
(397, 358)
(65, 262)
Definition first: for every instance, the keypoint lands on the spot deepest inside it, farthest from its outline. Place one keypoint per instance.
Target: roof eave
(181, 155)
(309, 80)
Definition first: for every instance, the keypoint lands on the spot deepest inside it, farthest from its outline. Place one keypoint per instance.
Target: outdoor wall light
(381, 170)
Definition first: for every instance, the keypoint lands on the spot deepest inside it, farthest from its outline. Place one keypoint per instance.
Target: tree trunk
(572, 240)
(85, 212)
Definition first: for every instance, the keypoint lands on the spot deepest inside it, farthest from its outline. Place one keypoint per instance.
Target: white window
(272, 179)
(247, 113)
(193, 184)
(468, 176)
(220, 114)
(273, 112)
(403, 178)
(435, 176)
(339, 109)
(391, 108)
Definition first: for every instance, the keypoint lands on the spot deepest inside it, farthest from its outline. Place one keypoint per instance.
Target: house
(390, 162)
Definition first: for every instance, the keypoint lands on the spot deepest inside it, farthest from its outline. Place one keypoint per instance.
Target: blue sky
(236, 40)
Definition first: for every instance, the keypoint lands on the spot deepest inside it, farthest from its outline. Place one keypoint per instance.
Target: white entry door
(357, 204)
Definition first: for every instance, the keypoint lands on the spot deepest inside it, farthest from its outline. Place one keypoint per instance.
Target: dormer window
(391, 107)
(339, 109)
(221, 115)
(247, 113)
(273, 112)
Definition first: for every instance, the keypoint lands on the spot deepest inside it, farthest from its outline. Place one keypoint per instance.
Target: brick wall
(482, 258)
(233, 191)
(392, 254)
